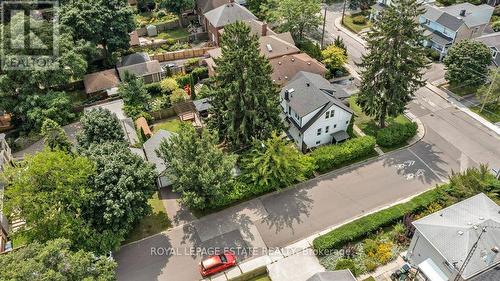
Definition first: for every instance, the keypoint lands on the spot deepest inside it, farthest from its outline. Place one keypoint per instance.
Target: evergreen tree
(392, 69)
(245, 100)
(134, 94)
(339, 42)
(54, 136)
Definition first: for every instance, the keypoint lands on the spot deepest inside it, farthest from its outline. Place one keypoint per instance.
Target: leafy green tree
(200, 171)
(55, 260)
(467, 63)
(334, 58)
(295, 16)
(54, 136)
(168, 85)
(256, 7)
(276, 164)
(339, 42)
(135, 96)
(489, 94)
(99, 125)
(28, 91)
(392, 69)
(245, 100)
(121, 187)
(178, 95)
(50, 191)
(361, 4)
(104, 22)
(177, 7)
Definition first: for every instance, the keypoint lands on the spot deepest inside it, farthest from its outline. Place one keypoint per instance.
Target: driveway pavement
(453, 142)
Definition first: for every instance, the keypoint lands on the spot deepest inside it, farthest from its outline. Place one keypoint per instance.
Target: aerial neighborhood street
(257, 140)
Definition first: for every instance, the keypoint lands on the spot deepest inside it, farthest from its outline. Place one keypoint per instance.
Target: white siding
(341, 119)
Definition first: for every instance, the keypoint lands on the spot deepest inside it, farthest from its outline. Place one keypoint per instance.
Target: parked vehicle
(217, 263)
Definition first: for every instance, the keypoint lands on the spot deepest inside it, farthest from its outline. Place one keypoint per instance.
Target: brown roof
(142, 123)
(257, 27)
(273, 46)
(134, 38)
(100, 81)
(286, 67)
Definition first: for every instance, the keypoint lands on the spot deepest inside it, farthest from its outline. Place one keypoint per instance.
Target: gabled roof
(140, 69)
(150, 147)
(100, 81)
(491, 40)
(273, 46)
(451, 18)
(132, 59)
(453, 230)
(311, 92)
(228, 14)
(337, 275)
(208, 5)
(286, 67)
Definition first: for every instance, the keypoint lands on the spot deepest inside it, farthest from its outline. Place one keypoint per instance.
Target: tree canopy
(134, 94)
(54, 136)
(295, 16)
(392, 69)
(199, 170)
(245, 99)
(334, 58)
(467, 63)
(99, 125)
(55, 260)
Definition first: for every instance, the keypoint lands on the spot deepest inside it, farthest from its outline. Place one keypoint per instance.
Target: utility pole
(324, 27)
(489, 89)
(343, 11)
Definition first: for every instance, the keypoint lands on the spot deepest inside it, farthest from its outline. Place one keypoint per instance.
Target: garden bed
(349, 22)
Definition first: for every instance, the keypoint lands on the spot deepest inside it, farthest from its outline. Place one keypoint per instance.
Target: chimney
(462, 13)
(264, 28)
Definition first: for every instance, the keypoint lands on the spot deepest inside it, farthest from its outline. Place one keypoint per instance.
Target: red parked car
(217, 263)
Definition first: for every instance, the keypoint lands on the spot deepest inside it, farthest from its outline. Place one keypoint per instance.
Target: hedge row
(396, 134)
(334, 156)
(362, 227)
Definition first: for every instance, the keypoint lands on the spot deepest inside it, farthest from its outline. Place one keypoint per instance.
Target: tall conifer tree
(392, 69)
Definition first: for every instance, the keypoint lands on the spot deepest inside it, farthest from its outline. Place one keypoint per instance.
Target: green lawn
(461, 91)
(154, 223)
(171, 125)
(369, 126)
(356, 28)
(490, 113)
(175, 34)
(146, 18)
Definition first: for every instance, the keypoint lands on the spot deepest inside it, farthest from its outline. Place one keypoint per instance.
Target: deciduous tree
(392, 69)
(99, 125)
(200, 171)
(55, 260)
(334, 58)
(467, 63)
(245, 101)
(54, 136)
(135, 96)
(177, 7)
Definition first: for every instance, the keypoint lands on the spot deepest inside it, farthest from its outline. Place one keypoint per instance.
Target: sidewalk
(430, 86)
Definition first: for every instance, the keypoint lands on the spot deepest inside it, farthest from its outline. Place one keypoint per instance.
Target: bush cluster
(359, 20)
(364, 226)
(333, 156)
(396, 134)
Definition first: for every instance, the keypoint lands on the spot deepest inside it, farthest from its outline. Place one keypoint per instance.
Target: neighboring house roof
(141, 69)
(150, 147)
(453, 231)
(134, 38)
(228, 14)
(438, 37)
(100, 81)
(286, 67)
(273, 46)
(202, 104)
(450, 17)
(208, 5)
(337, 275)
(491, 40)
(132, 59)
(257, 27)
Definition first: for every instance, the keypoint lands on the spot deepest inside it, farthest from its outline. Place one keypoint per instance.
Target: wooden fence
(182, 54)
(163, 114)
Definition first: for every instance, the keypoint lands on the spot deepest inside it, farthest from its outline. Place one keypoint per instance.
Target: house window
(332, 113)
(347, 122)
(289, 110)
(327, 115)
(319, 132)
(335, 126)
(318, 142)
(327, 129)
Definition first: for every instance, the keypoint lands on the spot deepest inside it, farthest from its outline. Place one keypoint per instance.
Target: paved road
(453, 141)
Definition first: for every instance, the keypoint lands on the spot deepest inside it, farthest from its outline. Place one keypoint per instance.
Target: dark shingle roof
(449, 21)
(132, 59)
(228, 14)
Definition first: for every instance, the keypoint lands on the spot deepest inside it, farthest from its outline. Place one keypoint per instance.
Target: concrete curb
(351, 34)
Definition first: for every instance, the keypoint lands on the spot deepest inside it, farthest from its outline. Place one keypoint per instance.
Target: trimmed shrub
(359, 20)
(183, 80)
(347, 264)
(396, 134)
(334, 156)
(153, 89)
(309, 47)
(199, 73)
(362, 227)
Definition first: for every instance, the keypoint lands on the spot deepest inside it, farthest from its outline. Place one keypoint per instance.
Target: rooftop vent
(462, 13)
(279, 63)
(269, 48)
(495, 249)
(308, 84)
(293, 59)
(481, 218)
(460, 232)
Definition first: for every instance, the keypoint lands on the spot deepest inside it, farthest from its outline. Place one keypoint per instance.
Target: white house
(443, 240)
(380, 5)
(150, 147)
(314, 112)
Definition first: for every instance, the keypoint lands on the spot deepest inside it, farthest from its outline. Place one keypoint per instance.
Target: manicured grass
(356, 28)
(490, 113)
(154, 223)
(175, 34)
(367, 124)
(461, 90)
(171, 125)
